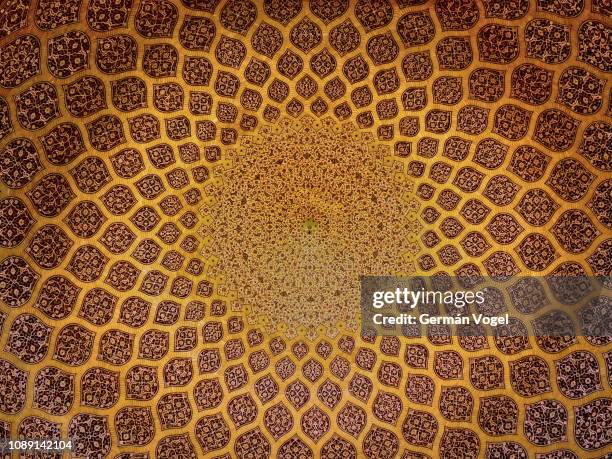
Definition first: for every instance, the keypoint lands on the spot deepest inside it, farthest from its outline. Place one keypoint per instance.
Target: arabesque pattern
(131, 130)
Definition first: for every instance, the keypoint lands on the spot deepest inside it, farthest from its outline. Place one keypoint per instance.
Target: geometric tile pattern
(117, 119)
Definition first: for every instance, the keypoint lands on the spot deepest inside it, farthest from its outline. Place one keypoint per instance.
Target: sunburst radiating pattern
(191, 188)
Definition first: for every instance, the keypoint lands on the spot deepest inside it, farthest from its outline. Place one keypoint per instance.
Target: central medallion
(304, 210)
